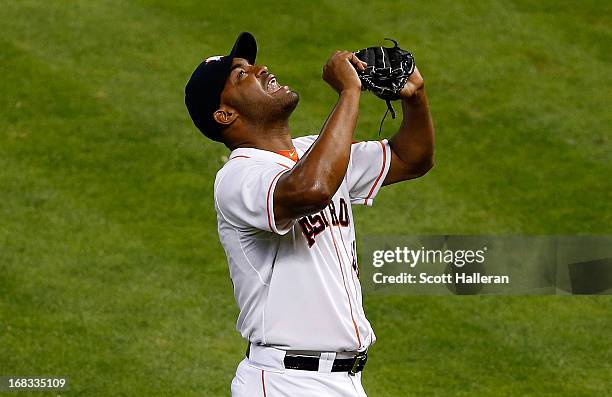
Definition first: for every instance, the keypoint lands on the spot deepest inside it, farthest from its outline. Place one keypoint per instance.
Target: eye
(241, 74)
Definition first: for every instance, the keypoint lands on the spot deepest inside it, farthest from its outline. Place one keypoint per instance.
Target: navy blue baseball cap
(203, 90)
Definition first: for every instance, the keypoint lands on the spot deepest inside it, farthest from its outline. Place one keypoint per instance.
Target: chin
(291, 100)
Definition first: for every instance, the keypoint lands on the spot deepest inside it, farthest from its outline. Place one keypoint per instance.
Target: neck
(269, 136)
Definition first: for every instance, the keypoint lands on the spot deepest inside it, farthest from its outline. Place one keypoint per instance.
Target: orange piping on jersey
(240, 156)
(379, 175)
(352, 272)
(268, 199)
(263, 383)
(348, 296)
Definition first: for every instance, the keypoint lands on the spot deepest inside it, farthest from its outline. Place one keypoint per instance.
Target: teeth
(273, 85)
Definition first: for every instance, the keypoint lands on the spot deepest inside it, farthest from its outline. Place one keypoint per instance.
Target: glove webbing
(384, 76)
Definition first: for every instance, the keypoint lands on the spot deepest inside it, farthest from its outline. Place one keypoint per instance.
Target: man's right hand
(311, 184)
(340, 73)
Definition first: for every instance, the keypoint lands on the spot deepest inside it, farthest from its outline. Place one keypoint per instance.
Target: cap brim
(245, 47)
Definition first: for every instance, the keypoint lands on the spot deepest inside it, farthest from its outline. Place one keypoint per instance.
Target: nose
(263, 70)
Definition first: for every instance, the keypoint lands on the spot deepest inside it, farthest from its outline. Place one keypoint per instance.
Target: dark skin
(255, 113)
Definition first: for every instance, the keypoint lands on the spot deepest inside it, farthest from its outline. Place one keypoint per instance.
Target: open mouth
(272, 85)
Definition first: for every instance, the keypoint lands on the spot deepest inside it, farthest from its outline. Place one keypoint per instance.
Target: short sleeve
(244, 195)
(367, 170)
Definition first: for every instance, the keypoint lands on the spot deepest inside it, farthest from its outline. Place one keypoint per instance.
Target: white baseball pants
(263, 375)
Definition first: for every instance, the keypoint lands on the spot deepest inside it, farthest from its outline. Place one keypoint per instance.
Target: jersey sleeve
(244, 195)
(368, 167)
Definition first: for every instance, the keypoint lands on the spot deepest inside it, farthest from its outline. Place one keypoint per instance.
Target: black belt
(309, 363)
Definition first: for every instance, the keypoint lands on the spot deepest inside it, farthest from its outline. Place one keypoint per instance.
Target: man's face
(255, 94)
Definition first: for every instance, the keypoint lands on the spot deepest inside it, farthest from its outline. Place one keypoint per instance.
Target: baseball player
(285, 220)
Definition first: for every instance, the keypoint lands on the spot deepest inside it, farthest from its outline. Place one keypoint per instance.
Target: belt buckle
(360, 358)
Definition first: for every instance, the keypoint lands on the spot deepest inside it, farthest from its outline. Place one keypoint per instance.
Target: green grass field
(110, 267)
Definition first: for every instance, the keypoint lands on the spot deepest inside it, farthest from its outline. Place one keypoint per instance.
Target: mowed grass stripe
(87, 288)
(490, 200)
(102, 161)
(513, 346)
(92, 298)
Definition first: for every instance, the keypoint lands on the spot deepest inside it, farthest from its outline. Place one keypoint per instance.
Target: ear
(225, 116)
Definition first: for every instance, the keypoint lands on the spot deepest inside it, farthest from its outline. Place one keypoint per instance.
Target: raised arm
(310, 185)
(412, 146)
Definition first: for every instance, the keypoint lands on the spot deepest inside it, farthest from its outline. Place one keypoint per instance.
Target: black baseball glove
(387, 72)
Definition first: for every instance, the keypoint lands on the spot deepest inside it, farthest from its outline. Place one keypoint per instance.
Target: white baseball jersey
(296, 284)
